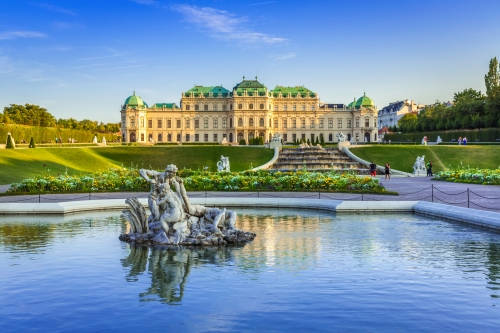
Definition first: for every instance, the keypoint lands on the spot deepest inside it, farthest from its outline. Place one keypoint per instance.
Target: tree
(317, 141)
(10, 142)
(408, 122)
(243, 142)
(321, 140)
(32, 143)
(492, 82)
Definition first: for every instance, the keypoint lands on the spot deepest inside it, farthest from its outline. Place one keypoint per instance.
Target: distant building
(390, 115)
(248, 111)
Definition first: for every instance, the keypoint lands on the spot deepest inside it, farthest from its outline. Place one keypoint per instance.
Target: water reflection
(169, 267)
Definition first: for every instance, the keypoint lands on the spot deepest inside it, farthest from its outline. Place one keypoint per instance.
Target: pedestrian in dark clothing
(429, 169)
(373, 169)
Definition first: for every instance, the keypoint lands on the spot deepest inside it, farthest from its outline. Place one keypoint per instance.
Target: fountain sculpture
(419, 165)
(223, 164)
(174, 220)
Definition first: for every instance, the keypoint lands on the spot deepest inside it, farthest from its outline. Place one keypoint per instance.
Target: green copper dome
(135, 101)
(365, 102)
(352, 105)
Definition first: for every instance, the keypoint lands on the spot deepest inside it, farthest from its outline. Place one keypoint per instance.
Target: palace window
(330, 137)
(240, 136)
(150, 123)
(196, 123)
(197, 107)
(284, 107)
(169, 123)
(188, 123)
(159, 124)
(224, 107)
(187, 107)
(196, 137)
(160, 138)
(178, 137)
(142, 122)
(178, 124)
(303, 137)
(276, 108)
(302, 123)
(216, 123)
(205, 137)
(294, 107)
(261, 106)
(250, 106)
(357, 123)
(312, 107)
(224, 122)
(240, 122)
(261, 122)
(205, 107)
(321, 124)
(230, 106)
(330, 123)
(169, 137)
(216, 106)
(294, 137)
(303, 107)
(132, 122)
(142, 136)
(285, 138)
(312, 123)
(285, 123)
(375, 122)
(367, 122)
(312, 138)
(339, 123)
(269, 122)
(230, 122)
(275, 122)
(216, 137)
(250, 122)
(240, 106)
(188, 137)
(205, 123)
(349, 123)
(294, 123)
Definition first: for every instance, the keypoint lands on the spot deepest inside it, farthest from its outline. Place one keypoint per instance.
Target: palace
(250, 110)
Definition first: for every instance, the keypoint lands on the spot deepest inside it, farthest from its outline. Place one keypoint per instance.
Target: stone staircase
(317, 159)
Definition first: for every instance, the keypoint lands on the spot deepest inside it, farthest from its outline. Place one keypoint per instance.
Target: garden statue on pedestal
(341, 137)
(419, 165)
(223, 164)
(174, 220)
(95, 139)
(104, 141)
(439, 140)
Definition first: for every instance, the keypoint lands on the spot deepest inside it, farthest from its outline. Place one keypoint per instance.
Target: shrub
(243, 142)
(32, 143)
(10, 142)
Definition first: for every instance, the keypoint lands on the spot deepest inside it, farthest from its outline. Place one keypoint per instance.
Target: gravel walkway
(484, 197)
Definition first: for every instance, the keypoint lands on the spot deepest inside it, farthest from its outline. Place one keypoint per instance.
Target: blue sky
(82, 58)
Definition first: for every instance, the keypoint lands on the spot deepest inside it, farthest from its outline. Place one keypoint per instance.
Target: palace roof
(365, 101)
(205, 91)
(135, 101)
(165, 106)
(297, 91)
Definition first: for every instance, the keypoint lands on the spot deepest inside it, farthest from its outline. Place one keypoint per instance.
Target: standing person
(373, 169)
(429, 169)
(465, 141)
(459, 140)
(387, 171)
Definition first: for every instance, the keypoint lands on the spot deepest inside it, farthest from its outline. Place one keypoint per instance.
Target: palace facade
(249, 110)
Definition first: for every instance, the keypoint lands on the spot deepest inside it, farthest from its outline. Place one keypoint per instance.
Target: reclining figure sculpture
(174, 220)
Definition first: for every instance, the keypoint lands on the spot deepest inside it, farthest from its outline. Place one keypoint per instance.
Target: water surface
(305, 271)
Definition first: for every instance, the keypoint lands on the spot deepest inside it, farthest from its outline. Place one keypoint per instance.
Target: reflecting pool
(305, 271)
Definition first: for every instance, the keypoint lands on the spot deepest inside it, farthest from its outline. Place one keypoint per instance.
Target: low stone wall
(476, 217)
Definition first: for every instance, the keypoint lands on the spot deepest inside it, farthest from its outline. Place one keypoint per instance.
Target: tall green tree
(492, 82)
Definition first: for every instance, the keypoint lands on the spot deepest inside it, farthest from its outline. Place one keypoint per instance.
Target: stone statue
(419, 165)
(341, 137)
(174, 220)
(439, 140)
(104, 141)
(276, 138)
(424, 140)
(95, 139)
(223, 164)
(224, 141)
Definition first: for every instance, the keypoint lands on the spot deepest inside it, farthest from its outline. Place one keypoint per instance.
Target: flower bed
(473, 176)
(123, 179)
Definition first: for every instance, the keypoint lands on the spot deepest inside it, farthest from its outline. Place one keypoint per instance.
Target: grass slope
(19, 164)
(442, 157)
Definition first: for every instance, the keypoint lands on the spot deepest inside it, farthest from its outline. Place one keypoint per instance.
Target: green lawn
(19, 164)
(442, 157)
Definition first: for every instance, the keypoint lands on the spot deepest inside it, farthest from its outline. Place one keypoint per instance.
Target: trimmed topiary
(32, 143)
(10, 142)
(243, 142)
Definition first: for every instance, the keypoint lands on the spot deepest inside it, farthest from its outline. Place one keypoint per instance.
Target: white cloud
(224, 25)
(20, 34)
(55, 8)
(286, 56)
(145, 2)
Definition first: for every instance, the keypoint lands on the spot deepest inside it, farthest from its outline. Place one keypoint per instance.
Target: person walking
(465, 141)
(373, 169)
(459, 140)
(387, 171)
